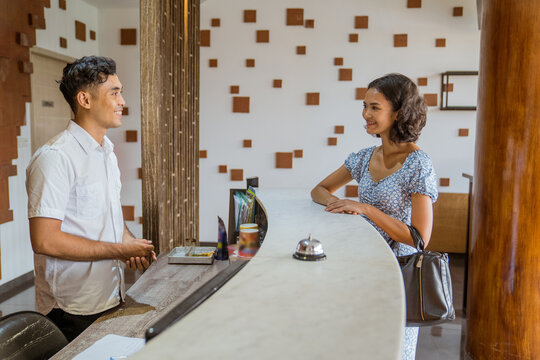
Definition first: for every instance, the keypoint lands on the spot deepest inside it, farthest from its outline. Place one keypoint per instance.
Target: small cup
(249, 242)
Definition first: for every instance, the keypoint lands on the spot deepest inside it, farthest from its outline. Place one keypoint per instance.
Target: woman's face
(378, 113)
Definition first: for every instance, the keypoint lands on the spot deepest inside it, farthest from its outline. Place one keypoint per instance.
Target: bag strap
(417, 238)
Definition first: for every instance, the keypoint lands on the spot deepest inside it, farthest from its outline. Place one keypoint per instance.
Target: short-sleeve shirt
(74, 179)
(392, 194)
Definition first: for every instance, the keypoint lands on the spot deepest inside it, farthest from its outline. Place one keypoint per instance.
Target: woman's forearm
(396, 229)
(322, 196)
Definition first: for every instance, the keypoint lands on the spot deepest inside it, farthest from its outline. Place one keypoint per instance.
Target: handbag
(428, 286)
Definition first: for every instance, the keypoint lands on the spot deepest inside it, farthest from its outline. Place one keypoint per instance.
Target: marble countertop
(350, 305)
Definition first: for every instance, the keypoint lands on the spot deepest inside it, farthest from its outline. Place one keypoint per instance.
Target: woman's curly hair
(402, 93)
(83, 73)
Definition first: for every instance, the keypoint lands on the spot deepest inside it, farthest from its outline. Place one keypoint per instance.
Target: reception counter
(350, 305)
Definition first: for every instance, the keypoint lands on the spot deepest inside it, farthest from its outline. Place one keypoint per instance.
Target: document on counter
(111, 347)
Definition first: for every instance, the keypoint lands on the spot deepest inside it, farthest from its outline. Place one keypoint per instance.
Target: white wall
(279, 120)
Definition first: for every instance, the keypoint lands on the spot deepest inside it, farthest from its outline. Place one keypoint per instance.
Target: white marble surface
(350, 305)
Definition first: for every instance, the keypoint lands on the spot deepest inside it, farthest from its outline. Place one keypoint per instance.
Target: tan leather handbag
(428, 285)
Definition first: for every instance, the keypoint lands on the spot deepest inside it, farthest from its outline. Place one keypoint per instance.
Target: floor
(442, 342)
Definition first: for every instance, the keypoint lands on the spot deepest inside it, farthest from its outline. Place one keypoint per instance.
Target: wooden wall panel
(450, 223)
(170, 173)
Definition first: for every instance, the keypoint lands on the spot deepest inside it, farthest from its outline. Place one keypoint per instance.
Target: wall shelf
(445, 81)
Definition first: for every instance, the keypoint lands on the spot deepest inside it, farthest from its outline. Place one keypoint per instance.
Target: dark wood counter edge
(195, 299)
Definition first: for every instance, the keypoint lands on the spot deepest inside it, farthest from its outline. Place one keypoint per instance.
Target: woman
(396, 181)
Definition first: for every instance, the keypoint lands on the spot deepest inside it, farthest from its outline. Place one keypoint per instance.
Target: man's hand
(140, 263)
(133, 248)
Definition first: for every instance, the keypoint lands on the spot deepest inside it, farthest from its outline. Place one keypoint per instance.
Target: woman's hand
(346, 206)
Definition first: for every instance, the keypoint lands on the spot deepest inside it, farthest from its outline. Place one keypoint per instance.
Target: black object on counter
(222, 253)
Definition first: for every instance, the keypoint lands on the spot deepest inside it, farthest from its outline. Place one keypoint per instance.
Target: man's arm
(48, 239)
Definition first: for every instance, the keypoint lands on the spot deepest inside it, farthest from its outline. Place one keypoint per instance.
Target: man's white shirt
(74, 179)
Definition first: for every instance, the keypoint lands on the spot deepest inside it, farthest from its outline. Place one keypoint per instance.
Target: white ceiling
(104, 4)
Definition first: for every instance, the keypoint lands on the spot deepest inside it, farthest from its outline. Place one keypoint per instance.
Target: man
(77, 230)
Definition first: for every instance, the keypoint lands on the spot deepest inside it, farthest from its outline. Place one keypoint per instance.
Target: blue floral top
(392, 194)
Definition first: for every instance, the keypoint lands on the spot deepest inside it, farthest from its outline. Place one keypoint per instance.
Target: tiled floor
(434, 343)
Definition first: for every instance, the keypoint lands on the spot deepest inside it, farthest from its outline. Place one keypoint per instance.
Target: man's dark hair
(84, 73)
(411, 109)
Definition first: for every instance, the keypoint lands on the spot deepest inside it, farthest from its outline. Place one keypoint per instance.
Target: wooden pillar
(170, 120)
(504, 280)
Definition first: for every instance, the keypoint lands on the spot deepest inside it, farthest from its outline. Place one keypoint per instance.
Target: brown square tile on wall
(215, 22)
(46, 3)
(263, 36)
(36, 21)
(351, 191)
(128, 212)
(63, 42)
(422, 81)
(339, 129)
(444, 181)
(300, 50)
(400, 40)
(26, 67)
(250, 16)
(310, 23)
(140, 219)
(448, 87)
(222, 169)
(80, 31)
(338, 61)
(440, 42)
(241, 104)
(430, 99)
(250, 62)
(414, 4)
(213, 63)
(128, 36)
(125, 110)
(203, 154)
(361, 93)
(353, 38)
(24, 40)
(332, 141)
(284, 160)
(235, 89)
(295, 16)
(312, 98)
(277, 83)
(361, 22)
(205, 38)
(246, 143)
(62, 4)
(237, 174)
(299, 153)
(463, 132)
(92, 35)
(139, 173)
(131, 135)
(345, 74)
(457, 11)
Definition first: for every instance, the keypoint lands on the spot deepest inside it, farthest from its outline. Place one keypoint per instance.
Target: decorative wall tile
(62, 4)
(463, 132)
(250, 16)
(235, 89)
(36, 21)
(250, 62)
(140, 219)
(444, 182)
(284, 160)
(80, 31)
(215, 22)
(345, 74)
(430, 99)
(63, 42)
(400, 40)
(92, 35)
(203, 154)
(24, 40)
(295, 16)
(131, 135)
(353, 38)
(414, 3)
(361, 22)
(338, 61)
(310, 23)
(312, 98)
(351, 191)
(448, 87)
(26, 67)
(332, 141)
(128, 212)
(125, 110)
(241, 104)
(205, 38)
(139, 173)
(222, 169)
(277, 83)
(128, 36)
(361, 93)
(247, 143)
(299, 153)
(422, 81)
(440, 42)
(213, 63)
(458, 11)
(237, 174)
(339, 129)
(300, 50)
(263, 36)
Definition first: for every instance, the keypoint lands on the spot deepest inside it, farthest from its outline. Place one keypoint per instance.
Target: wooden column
(504, 279)
(170, 120)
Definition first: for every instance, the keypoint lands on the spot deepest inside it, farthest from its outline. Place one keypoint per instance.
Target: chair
(29, 335)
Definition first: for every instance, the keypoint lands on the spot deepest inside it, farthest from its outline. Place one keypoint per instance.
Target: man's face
(107, 103)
